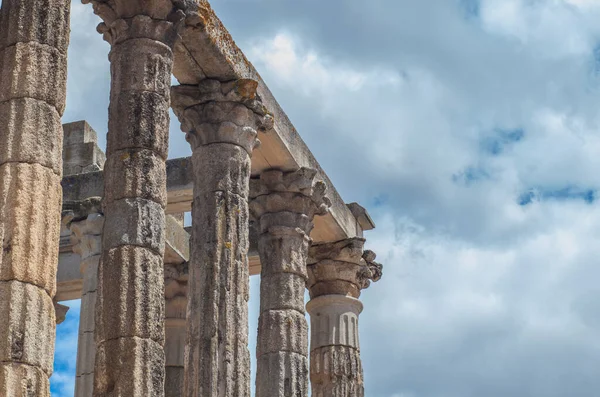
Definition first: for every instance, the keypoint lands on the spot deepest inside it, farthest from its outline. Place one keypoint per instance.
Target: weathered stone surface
(282, 331)
(32, 68)
(217, 360)
(336, 371)
(229, 167)
(31, 133)
(284, 205)
(28, 323)
(155, 59)
(136, 173)
(30, 202)
(22, 380)
(130, 278)
(221, 121)
(217, 112)
(81, 152)
(342, 268)
(86, 238)
(139, 371)
(138, 120)
(41, 21)
(176, 286)
(136, 222)
(35, 71)
(338, 272)
(282, 374)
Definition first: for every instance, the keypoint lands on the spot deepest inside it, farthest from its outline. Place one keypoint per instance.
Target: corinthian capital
(341, 268)
(288, 199)
(221, 112)
(152, 19)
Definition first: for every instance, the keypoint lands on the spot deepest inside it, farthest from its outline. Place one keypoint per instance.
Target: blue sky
(470, 130)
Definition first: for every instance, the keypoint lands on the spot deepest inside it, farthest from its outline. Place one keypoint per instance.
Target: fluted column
(130, 303)
(176, 286)
(34, 36)
(87, 242)
(284, 205)
(221, 121)
(337, 274)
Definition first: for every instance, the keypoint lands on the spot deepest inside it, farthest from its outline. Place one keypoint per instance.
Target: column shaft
(284, 205)
(129, 335)
(335, 365)
(221, 121)
(176, 285)
(34, 37)
(87, 236)
(337, 273)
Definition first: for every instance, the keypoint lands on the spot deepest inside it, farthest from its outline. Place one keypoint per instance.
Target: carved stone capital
(287, 200)
(176, 282)
(159, 20)
(341, 268)
(221, 112)
(86, 237)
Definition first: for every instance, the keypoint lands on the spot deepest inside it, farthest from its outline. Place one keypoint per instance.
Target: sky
(470, 130)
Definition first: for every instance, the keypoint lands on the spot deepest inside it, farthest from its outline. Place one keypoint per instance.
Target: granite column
(284, 205)
(87, 242)
(221, 121)
(337, 274)
(129, 333)
(34, 37)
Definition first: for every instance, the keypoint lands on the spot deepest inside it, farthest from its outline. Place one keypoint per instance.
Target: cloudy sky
(470, 129)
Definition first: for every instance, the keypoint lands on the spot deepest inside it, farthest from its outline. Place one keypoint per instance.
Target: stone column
(130, 302)
(284, 205)
(176, 286)
(337, 274)
(221, 121)
(34, 36)
(87, 239)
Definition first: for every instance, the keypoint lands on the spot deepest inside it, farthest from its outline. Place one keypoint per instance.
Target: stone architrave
(284, 205)
(221, 121)
(176, 286)
(130, 303)
(34, 37)
(86, 222)
(337, 274)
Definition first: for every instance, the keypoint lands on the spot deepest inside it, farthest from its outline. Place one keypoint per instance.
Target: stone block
(42, 21)
(282, 330)
(31, 133)
(85, 157)
(22, 380)
(35, 71)
(138, 120)
(282, 374)
(28, 325)
(136, 173)
(136, 222)
(130, 295)
(30, 203)
(282, 291)
(78, 132)
(140, 372)
(141, 65)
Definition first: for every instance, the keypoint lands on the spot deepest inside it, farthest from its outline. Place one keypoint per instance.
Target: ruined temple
(164, 307)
